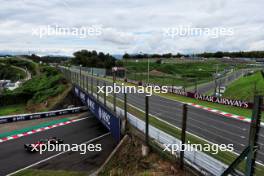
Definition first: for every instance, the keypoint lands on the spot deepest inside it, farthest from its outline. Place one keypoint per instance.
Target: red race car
(36, 146)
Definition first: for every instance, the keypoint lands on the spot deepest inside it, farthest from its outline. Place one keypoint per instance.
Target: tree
(93, 59)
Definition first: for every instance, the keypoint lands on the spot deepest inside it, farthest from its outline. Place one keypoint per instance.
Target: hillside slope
(244, 88)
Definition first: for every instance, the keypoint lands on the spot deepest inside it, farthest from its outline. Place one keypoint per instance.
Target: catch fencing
(203, 162)
(22, 117)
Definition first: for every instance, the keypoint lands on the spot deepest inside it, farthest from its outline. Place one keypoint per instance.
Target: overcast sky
(131, 26)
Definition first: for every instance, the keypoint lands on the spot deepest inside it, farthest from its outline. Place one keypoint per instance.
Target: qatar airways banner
(220, 100)
(213, 99)
(109, 120)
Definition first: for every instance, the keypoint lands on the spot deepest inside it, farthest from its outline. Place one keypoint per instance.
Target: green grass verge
(244, 88)
(14, 132)
(12, 109)
(181, 74)
(37, 172)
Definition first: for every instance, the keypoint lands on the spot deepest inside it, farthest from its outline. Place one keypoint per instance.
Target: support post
(183, 134)
(97, 94)
(236, 162)
(114, 94)
(125, 110)
(215, 88)
(219, 87)
(253, 135)
(80, 76)
(104, 93)
(195, 85)
(92, 83)
(147, 120)
(87, 84)
(145, 146)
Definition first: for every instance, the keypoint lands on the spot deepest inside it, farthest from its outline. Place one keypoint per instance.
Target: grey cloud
(132, 26)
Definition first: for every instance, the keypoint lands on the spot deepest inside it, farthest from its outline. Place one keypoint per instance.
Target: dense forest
(245, 54)
(219, 54)
(143, 56)
(47, 59)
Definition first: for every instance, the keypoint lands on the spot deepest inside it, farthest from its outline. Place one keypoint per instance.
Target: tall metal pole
(183, 134)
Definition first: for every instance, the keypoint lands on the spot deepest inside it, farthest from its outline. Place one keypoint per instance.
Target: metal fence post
(183, 134)
(74, 77)
(147, 119)
(80, 76)
(125, 110)
(92, 83)
(83, 76)
(97, 94)
(253, 135)
(70, 75)
(104, 93)
(87, 84)
(114, 94)
(77, 78)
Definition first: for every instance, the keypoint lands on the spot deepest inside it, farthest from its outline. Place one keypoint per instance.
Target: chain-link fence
(165, 116)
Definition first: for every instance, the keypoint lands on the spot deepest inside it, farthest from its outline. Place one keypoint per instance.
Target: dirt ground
(129, 161)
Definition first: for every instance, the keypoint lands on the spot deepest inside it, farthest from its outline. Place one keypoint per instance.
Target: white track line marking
(53, 156)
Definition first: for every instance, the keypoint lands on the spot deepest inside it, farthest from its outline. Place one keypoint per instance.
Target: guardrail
(22, 117)
(205, 163)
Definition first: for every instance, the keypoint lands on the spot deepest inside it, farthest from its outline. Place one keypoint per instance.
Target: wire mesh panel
(203, 127)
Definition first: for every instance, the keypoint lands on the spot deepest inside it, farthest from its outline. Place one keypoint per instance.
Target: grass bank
(245, 87)
(35, 93)
(12, 109)
(179, 74)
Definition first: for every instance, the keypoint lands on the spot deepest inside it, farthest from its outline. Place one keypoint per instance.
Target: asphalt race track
(204, 88)
(207, 125)
(13, 156)
(210, 126)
